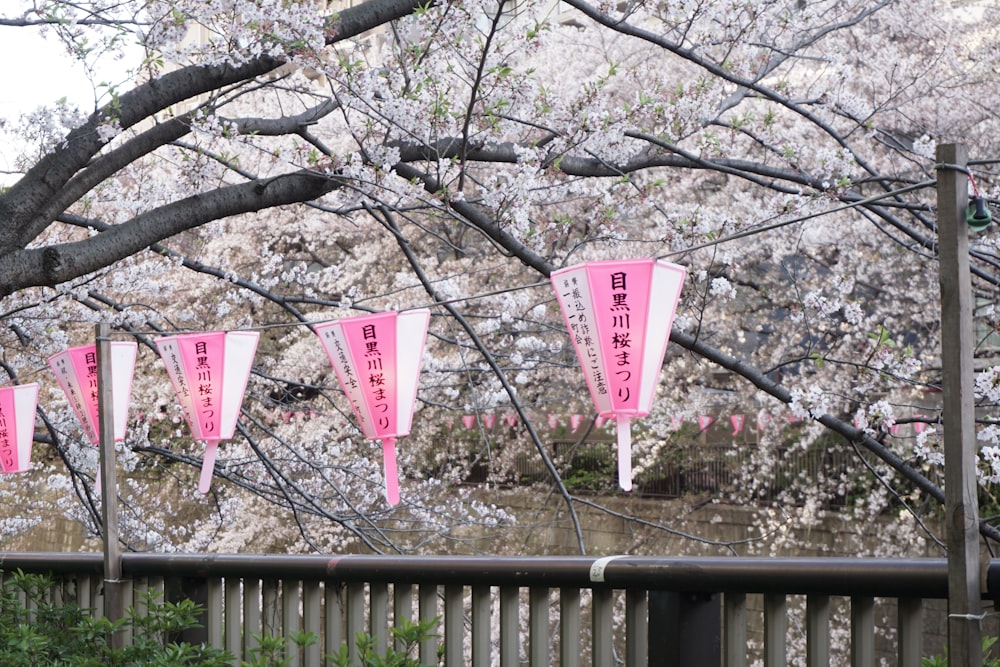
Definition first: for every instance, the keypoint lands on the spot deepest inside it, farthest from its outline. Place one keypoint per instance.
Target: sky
(47, 74)
(38, 72)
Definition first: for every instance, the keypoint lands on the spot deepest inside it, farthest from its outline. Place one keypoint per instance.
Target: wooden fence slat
(482, 621)
(735, 630)
(775, 630)
(538, 626)
(911, 631)
(862, 631)
(569, 627)
(602, 635)
(213, 611)
(233, 620)
(402, 608)
(428, 596)
(333, 621)
(252, 615)
(818, 631)
(510, 627)
(378, 616)
(355, 617)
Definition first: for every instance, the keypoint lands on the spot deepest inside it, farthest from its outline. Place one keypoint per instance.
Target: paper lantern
(377, 361)
(619, 315)
(209, 373)
(737, 421)
(76, 371)
(17, 426)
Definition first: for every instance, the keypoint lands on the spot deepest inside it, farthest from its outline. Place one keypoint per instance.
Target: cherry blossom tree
(276, 163)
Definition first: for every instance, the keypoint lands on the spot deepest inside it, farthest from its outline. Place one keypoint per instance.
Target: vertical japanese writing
(376, 377)
(8, 441)
(90, 375)
(581, 325)
(205, 387)
(346, 368)
(621, 340)
(337, 348)
(174, 365)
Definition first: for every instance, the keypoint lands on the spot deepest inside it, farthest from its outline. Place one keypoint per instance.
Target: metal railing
(567, 611)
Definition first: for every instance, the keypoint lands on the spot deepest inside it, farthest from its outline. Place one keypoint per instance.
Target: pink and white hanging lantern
(209, 372)
(17, 426)
(76, 371)
(377, 360)
(619, 315)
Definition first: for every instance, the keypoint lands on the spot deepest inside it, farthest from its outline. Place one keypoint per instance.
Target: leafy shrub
(942, 660)
(408, 633)
(36, 632)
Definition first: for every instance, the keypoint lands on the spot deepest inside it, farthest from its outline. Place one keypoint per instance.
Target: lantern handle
(391, 472)
(623, 430)
(208, 466)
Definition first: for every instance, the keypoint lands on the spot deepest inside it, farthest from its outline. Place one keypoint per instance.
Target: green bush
(409, 634)
(36, 632)
(942, 660)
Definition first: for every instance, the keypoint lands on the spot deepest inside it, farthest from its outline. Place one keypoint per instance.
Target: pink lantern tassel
(624, 432)
(391, 472)
(208, 466)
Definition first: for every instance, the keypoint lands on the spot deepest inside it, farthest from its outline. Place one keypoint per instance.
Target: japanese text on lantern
(579, 316)
(620, 333)
(206, 388)
(376, 378)
(173, 361)
(90, 361)
(63, 366)
(8, 441)
(345, 371)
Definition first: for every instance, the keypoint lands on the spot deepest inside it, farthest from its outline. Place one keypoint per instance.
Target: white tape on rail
(598, 566)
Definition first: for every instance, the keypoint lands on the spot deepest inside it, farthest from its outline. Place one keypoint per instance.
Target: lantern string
(804, 218)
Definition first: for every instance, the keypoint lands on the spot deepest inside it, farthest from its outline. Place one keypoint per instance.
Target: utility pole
(113, 609)
(958, 381)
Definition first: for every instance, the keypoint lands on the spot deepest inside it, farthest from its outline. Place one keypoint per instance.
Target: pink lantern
(76, 371)
(737, 421)
(619, 315)
(209, 372)
(377, 360)
(17, 426)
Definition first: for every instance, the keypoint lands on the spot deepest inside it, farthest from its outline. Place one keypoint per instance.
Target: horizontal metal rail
(879, 577)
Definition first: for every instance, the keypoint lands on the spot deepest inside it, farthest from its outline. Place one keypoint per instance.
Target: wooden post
(961, 501)
(113, 608)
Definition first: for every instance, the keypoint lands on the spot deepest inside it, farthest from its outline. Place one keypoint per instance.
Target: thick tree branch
(56, 264)
(24, 210)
